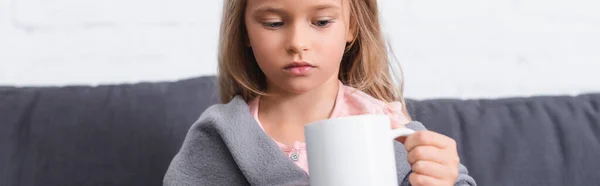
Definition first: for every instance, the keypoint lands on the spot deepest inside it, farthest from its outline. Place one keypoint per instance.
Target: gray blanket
(227, 147)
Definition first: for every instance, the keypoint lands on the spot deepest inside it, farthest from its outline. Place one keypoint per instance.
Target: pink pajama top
(349, 102)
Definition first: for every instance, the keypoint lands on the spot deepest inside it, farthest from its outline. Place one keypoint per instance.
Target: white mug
(354, 150)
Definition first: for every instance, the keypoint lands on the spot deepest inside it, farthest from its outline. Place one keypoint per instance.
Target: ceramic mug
(353, 150)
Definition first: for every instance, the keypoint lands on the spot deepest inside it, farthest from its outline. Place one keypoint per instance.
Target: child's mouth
(299, 68)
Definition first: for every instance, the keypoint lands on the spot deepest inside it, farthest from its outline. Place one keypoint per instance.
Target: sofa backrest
(105, 135)
(128, 134)
(549, 140)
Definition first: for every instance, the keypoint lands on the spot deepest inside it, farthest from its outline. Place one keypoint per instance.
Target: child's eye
(322, 23)
(273, 24)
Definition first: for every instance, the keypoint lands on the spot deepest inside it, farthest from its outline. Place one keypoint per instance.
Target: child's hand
(433, 158)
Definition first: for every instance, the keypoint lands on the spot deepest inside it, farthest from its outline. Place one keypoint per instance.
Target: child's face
(298, 44)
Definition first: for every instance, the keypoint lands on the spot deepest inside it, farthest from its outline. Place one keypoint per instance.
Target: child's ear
(246, 39)
(352, 32)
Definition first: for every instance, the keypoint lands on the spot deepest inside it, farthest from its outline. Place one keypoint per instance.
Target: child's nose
(298, 39)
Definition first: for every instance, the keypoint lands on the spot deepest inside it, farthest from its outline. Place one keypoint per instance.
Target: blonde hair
(365, 64)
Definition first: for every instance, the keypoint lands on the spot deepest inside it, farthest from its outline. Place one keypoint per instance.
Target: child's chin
(301, 86)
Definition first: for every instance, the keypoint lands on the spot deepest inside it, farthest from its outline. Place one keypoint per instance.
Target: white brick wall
(458, 48)
(108, 41)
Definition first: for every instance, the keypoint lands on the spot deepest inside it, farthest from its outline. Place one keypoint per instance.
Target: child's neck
(284, 116)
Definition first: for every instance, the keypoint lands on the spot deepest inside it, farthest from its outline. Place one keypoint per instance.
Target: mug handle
(401, 132)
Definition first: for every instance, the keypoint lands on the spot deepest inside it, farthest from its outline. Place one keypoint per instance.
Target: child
(284, 64)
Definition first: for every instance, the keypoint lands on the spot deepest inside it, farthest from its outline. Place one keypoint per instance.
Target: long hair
(365, 64)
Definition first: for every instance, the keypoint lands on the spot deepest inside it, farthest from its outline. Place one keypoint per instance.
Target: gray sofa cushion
(106, 135)
(127, 134)
(552, 140)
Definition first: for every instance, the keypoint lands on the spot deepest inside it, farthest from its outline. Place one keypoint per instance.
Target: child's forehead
(261, 5)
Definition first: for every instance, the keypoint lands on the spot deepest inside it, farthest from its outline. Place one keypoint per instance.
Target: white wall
(458, 48)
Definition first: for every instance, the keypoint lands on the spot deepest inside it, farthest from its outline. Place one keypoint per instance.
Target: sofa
(127, 134)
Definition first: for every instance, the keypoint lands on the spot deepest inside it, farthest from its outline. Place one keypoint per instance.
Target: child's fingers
(417, 179)
(426, 153)
(428, 138)
(432, 169)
